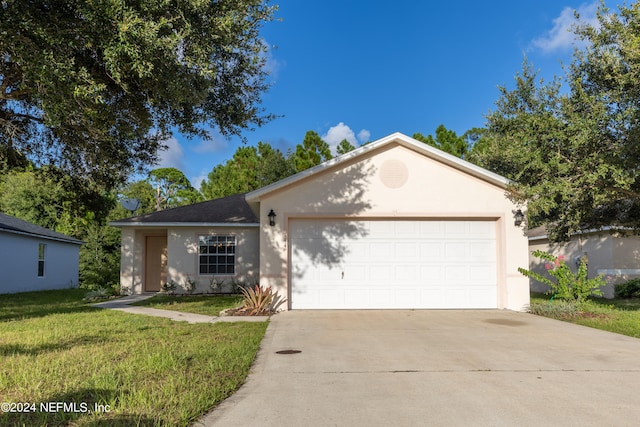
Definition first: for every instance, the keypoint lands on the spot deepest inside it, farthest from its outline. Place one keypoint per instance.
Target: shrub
(190, 285)
(216, 285)
(567, 284)
(260, 301)
(628, 289)
(169, 287)
(98, 294)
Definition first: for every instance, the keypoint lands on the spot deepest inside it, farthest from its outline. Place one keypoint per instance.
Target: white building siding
(19, 264)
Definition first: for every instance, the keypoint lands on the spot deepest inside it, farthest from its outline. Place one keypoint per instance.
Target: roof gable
(231, 210)
(395, 138)
(11, 224)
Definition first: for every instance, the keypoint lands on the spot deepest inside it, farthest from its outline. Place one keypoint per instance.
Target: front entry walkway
(123, 304)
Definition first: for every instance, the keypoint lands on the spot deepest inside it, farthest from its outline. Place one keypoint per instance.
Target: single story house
(613, 255)
(35, 258)
(392, 224)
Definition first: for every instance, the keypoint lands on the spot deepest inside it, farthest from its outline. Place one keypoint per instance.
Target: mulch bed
(241, 311)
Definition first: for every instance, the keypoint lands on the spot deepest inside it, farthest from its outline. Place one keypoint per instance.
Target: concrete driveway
(437, 368)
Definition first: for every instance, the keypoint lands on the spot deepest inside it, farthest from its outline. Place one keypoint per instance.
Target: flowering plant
(564, 283)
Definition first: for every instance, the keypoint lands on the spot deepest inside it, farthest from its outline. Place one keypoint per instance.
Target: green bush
(628, 289)
(564, 283)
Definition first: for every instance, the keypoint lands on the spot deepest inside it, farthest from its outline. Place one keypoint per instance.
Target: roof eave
(44, 237)
(184, 224)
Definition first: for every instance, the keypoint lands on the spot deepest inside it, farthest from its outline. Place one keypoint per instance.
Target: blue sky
(364, 69)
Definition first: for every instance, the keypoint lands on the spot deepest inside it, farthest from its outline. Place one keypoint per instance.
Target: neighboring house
(615, 256)
(34, 258)
(393, 224)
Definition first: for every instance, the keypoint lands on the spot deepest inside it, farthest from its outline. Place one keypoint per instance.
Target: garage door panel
(379, 252)
(381, 228)
(457, 296)
(381, 273)
(482, 251)
(484, 229)
(407, 251)
(482, 274)
(431, 273)
(455, 228)
(379, 298)
(356, 273)
(331, 297)
(359, 251)
(455, 250)
(455, 273)
(394, 264)
(430, 228)
(406, 274)
(482, 297)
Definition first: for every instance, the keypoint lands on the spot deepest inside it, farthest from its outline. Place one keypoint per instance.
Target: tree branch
(632, 194)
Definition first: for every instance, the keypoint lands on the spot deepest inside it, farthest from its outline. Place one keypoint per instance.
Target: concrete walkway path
(123, 304)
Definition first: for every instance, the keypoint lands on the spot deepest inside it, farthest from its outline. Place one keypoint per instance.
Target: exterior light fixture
(272, 217)
(518, 217)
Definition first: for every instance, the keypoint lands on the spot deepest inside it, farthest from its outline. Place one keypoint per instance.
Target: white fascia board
(400, 138)
(184, 224)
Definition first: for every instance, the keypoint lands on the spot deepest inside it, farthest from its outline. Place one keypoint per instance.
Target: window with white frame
(217, 254)
(42, 250)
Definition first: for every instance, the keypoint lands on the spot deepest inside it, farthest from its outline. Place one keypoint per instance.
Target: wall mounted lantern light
(518, 217)
(272, 217)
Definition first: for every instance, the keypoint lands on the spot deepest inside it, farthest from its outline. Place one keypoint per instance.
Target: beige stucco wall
(616, 257)
(182, 256)
(394, 182)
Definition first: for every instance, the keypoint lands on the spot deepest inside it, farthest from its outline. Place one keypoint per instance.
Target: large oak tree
(572, 145)
(96, 86)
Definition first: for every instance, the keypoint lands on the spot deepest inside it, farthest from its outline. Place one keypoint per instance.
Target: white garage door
(337, 264)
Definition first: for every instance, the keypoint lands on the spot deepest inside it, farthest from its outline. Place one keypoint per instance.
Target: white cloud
(196, 181)
(560, 36)
(363, 136)
(271, 64)
(214, 145)
(337, 133)
(172, 156)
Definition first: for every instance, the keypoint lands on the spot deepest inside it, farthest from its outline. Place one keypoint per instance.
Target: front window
(217, 254)
(42, 249)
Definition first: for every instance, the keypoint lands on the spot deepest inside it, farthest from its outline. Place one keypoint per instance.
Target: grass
(146, 370)
(614, 315)
(210, 305)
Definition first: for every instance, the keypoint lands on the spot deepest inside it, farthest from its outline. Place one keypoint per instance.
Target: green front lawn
(615, 315)
(144, 370)
(210, 305)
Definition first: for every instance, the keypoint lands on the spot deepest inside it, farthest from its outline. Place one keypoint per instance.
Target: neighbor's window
(42, 249)
(217, 254)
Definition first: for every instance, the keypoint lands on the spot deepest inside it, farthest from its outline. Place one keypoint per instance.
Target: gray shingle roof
(227, 210)
(11, 224)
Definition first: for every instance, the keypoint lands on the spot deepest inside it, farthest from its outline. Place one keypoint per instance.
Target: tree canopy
(311, 152)
(95, 87)
(344, 147)
(172, 188)
(446, 140)
(249, 169)
(571, 145)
